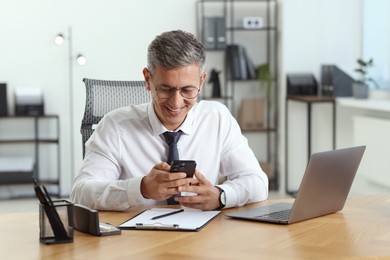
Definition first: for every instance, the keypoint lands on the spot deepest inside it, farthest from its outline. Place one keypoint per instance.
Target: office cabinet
(27, 143)
(244, 54)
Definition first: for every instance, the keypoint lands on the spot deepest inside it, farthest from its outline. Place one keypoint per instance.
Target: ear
(202, 80)
(146, 73)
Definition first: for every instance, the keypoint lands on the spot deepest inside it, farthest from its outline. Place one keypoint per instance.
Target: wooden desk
(362, 229)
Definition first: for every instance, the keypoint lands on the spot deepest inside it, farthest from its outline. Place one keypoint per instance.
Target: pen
(167, 214)
(47, 196)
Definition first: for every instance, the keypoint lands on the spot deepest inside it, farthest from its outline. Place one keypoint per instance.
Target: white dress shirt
(128, 142)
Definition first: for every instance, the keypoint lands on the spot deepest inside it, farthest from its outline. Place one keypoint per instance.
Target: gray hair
(175, 49)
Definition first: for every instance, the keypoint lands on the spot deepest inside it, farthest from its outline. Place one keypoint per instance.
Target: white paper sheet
(190, 220)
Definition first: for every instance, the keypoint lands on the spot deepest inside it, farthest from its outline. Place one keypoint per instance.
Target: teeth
(174, 110)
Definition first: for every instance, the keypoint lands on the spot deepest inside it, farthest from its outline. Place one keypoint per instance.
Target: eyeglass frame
(173, 90)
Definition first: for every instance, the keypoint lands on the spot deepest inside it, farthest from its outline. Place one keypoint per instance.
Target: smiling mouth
(175, 110)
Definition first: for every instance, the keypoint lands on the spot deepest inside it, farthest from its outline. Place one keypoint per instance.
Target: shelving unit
(261, 47)
(31, 137)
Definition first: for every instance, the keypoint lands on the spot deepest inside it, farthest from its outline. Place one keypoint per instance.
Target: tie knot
(172, 137)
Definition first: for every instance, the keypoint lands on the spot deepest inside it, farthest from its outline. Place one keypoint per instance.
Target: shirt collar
(158, 128)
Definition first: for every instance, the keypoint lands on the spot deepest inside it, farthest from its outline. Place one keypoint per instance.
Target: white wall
(314, 33)
(376, 39)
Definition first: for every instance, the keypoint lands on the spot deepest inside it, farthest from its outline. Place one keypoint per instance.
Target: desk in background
(362, 229)
(309, 101)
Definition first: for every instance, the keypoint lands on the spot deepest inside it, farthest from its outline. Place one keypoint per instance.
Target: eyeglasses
(165, 92)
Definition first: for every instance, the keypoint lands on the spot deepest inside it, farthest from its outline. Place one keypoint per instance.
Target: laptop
(323, 190)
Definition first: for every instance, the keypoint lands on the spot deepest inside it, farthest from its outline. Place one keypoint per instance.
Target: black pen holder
(56, 222)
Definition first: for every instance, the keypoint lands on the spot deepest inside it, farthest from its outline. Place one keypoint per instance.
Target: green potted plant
(265, 78)
(264, 75)
(360, 87)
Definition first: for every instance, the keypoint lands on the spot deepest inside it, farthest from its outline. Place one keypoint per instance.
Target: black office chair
(103, 96)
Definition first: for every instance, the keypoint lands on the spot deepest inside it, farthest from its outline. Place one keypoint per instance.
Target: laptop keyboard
(279, 215)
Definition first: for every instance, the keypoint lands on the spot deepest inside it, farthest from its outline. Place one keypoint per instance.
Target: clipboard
(187, 220)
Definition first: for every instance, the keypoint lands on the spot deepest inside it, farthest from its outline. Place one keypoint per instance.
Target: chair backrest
(103, 96)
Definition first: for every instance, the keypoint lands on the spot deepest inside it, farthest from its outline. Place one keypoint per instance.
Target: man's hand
(207, 197)
(160, 184)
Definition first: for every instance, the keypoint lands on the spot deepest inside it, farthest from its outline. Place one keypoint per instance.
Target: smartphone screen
(187, 166)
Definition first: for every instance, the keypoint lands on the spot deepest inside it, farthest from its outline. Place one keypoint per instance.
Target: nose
(176, 99)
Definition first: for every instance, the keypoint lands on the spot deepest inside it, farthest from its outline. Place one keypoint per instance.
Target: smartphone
(187, 166)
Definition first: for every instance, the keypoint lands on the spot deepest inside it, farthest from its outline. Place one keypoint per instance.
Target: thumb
(200, 177)
(163, 166)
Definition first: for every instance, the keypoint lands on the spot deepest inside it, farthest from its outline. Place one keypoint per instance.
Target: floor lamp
(81, 60)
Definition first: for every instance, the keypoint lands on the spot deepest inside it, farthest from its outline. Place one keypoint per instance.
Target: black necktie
(172, 138)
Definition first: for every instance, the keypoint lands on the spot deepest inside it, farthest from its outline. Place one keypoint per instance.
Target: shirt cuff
(231, 197)
(134, 194)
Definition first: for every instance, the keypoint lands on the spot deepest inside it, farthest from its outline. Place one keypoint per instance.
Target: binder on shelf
(186, 220)
(214, 33)
(251, 68)
(220, 30)
(208, 33)
(335, 82)
(251, 114)
(242, 62)
(239, 64)
(232, 61)
(3, 100)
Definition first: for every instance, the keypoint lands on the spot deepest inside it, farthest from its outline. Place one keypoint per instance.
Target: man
(126, 158)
